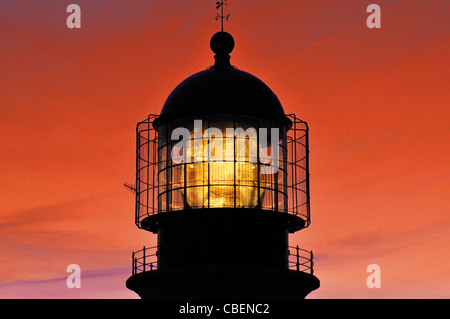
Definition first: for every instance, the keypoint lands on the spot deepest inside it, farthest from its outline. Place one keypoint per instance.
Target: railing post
(298, 261)
(143, 258)
(311, 263)
(133, 271)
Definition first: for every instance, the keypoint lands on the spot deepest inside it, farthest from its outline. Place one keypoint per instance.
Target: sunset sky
(376, 101)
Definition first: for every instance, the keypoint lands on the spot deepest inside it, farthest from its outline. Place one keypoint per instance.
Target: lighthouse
(222, 179)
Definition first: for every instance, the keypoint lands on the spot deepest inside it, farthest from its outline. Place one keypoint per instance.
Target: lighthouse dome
(222, 90)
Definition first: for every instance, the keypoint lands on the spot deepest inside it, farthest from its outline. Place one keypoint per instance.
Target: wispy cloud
(98, 284)
(39, 243)
(363, 245)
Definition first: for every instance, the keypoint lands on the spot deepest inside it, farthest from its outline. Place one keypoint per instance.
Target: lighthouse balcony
(297, 259)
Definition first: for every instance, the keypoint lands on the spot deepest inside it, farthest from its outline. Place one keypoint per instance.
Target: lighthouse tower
(222, 179)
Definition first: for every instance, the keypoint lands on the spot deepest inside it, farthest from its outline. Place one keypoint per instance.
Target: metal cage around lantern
(165, 186)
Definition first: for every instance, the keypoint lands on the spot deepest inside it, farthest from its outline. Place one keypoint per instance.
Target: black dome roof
(222, 90)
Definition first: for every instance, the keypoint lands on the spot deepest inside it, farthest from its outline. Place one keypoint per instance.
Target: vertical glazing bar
(209, 166)
(168, 171)
(187, 158)
(258, 163)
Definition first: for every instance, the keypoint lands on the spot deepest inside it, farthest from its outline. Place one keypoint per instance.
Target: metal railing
(145, 259)
(299, 259)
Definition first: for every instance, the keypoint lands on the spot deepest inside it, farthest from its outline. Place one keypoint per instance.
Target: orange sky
(376, 102)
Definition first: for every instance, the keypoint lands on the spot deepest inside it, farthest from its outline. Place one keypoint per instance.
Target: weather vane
(221, 16)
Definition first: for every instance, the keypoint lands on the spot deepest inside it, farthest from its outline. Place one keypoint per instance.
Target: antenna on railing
(130, 187)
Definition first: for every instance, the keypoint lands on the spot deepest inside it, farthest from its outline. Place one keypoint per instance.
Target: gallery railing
(146, 259)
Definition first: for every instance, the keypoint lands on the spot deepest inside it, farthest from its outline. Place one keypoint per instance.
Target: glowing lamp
(222, 177)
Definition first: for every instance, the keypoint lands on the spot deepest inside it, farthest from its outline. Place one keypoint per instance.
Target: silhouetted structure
(223, 225)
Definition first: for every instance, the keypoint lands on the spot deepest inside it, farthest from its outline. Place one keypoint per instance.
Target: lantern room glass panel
(227, 165)
(233, 169)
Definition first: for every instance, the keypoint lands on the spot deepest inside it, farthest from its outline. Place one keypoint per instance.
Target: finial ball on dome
(222, 43)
